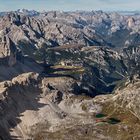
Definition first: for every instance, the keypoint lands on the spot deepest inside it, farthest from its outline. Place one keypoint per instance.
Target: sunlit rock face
(131, 22)
(8, 51)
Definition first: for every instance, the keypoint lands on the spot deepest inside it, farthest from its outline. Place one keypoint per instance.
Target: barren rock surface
(34, 107)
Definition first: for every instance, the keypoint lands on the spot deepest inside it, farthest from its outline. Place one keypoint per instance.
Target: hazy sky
(67, 5)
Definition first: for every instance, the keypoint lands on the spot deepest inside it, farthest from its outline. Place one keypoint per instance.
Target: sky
(70, 5)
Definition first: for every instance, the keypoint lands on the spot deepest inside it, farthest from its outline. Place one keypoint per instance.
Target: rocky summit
(69, 75)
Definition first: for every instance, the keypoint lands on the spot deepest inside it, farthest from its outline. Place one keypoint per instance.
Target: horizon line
(70, 10)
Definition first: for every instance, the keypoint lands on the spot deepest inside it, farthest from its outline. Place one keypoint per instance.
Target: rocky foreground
(35, 107)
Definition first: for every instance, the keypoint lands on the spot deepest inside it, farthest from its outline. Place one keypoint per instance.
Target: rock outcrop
(8, 51)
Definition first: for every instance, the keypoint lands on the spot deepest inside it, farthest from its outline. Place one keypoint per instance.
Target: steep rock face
(12, 60)
(131, 22)
(131, 58)
(8, 51)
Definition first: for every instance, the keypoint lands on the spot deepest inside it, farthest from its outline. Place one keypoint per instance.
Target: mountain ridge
(69, 75)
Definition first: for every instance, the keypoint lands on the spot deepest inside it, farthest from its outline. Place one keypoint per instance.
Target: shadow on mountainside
(29, 65)
(17, 99)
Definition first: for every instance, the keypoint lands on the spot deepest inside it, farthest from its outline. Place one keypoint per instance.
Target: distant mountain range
(35, 13)
(22, 11)
(129, 12)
